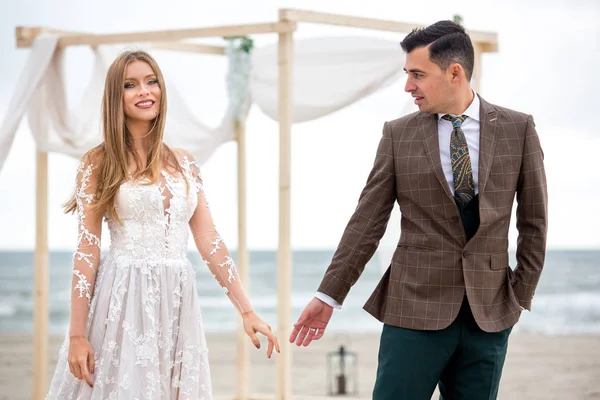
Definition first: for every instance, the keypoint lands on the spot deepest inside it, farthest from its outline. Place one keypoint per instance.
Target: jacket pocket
(415, 247)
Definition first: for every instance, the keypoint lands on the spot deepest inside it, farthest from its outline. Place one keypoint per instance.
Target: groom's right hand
(312, 323)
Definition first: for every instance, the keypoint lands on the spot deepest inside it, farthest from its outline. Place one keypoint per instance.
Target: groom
(449, 299)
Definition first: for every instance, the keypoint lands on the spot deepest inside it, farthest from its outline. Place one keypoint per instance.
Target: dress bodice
(154, 217)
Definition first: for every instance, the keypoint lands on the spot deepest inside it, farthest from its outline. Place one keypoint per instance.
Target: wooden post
(40, 278)
(284, 253)
(41, 257)
(243, 354)
(476, 78)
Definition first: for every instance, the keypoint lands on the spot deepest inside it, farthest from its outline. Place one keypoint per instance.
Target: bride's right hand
(81, 358)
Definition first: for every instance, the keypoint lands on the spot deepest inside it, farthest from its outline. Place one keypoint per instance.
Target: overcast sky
(547, 65)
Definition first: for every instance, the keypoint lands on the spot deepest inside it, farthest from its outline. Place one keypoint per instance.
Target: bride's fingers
(266, 330)
(254, 339)
(276, 344)
(270, 349)
(273, 343)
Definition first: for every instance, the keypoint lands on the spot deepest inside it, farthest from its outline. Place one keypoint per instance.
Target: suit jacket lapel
(428, 128)
(487, 140)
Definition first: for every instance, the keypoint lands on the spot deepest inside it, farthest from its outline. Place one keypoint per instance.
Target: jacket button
(465, 254)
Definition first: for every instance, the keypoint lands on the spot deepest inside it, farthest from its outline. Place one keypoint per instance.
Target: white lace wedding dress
(143, 318)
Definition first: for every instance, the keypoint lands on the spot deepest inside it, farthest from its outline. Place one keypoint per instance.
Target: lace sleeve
(211, 246)
(87, 255)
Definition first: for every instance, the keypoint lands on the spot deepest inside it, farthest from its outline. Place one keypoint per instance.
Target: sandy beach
(537, 367)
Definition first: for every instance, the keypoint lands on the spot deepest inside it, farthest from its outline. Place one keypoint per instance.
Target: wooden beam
(176, 34)
(25, 35)
(482, 37)
(488, 47)
(190, 47)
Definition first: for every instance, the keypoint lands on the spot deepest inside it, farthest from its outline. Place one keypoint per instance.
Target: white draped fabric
(328, 74)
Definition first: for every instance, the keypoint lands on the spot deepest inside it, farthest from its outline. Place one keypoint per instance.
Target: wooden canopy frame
(171, 39)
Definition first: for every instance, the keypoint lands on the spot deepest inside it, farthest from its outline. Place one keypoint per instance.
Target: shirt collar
(472, 111)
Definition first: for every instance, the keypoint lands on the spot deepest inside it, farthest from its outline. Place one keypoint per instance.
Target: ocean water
(567, 300)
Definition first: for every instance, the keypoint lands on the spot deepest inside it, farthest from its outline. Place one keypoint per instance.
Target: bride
(136, 331)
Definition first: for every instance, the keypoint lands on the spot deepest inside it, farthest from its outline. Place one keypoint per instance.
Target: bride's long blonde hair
(111, 158)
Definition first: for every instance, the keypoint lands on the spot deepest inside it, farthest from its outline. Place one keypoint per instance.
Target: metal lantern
(342, 373)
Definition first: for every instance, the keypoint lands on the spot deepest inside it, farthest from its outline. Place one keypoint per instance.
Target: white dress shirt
(470, 128)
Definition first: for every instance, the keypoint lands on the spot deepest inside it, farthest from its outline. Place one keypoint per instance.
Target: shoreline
(537, 366)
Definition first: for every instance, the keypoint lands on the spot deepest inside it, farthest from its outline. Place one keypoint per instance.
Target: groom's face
(428, 84)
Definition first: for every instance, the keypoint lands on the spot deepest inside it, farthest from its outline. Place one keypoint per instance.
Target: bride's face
(141, 92)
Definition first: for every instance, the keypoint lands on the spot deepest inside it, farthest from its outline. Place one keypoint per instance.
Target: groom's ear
(456, 72)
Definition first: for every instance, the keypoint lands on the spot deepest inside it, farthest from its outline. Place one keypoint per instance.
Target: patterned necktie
(464, 186)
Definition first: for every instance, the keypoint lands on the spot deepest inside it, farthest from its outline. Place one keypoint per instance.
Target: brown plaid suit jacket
(434, 264)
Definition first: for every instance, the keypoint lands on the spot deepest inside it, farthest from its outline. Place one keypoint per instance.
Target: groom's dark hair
(448, 43)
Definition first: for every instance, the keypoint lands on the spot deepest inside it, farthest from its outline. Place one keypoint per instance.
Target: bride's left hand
(253, 324)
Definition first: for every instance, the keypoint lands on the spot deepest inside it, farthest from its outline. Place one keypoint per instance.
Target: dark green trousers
(463, 360)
